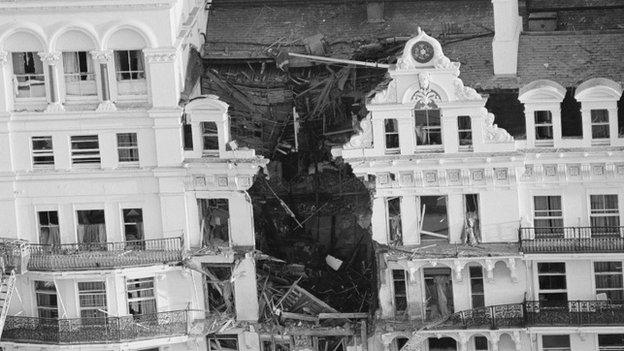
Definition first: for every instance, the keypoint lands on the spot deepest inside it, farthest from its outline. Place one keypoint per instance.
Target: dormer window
(130, 72)
(543, 125)
(428, 129)
(392, 135)
(210, 137)
(29, 79)
(79, 74)
(600, 124)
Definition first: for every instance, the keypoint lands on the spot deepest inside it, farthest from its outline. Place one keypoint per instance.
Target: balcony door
(547, 217)
(552, 282)
(133, 228)
(604, 215)
(438, 292)
(91, 229)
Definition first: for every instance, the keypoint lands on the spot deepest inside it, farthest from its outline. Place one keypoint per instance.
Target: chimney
(374, 11)
(507, 28)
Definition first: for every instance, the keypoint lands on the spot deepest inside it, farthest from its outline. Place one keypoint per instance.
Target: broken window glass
(91, 228)
(472, 230)
(438, 292)
(219, 287)
(428, 129)
(395, 236)
(433, 218)
(222, 343)
(28, 74)
(214, 221)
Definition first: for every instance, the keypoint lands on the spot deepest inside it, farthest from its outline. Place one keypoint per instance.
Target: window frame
(141, 299)
(132, 146)
(428, 128)
(549, 125)
(604, 213)
(464, 131)
(90, 77)
(602, 124)
(46, 153)
(79, 155)
(100, 310)
(211, 134)
(551, 230)
(40, 226)
(15, 78)
(39, 291)
(220, 337)
(474, 294)
(394, 238)
(395, 296)
(540, 290)
(391, 133)
(613, 273)
(556, 348)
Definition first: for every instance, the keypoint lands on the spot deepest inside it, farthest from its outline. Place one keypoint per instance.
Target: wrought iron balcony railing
(106, 255)
(571, 239)
(95, 330)
(535, 313)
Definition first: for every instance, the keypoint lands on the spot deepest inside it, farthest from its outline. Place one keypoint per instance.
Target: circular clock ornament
(422, 52)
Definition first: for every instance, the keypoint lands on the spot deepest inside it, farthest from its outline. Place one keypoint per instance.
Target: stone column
(51, 60)
(6, 83)
(104, 58)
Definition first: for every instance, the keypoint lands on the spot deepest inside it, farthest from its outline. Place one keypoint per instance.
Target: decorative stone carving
(50, 58)
(550, 170)
(407, 178)
(199, 181)
(598, 169)
(159, 55)
(477, 175)
(501, 174)
(386, 96)
(106, 106)
(574, 170)
(383, 178)
(4, 57)
(55, 107)
(222, 181)
(492, 133)
(464, 93)
(445, 63)
(363, 138)
(430, 177)
(453, 175)
(494, 338)
(102, 56)
(424, 97)
(489, 268)
(619, 169)
(458, 267)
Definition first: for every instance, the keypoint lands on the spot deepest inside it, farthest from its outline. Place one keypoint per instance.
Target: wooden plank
(342, 315)
(299, 316)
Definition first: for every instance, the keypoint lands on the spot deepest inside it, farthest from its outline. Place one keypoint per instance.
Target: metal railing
(95, 330)
(571, 239)
(536, 313)
(105, 255)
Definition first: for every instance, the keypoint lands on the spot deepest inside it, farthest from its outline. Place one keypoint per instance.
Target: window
(222, 343)
(552, 284)
(398, 343)
(548, 217)
(276, 344)
(391, 127)
(28, 80)
(605, 215)
(129, 65)
(556, 343)
(127, 147)
(92, 299)
(42, 149)
(214, 221)
(464, 129)
(399, 281)
(49, 228)
(438, 292)
(91, 228)
(141, 296)
(610, 342)
(85, 149)
(187, 135)
(133, 225)
(543, 125)
(210, 137)
(476, 287)
(609, 280)
(428, 129)
(219, 287)
(481, 343)
(600, 124)
(79, 74)
(472, 225)
(433, 218)
(47, 303)
(395, 236)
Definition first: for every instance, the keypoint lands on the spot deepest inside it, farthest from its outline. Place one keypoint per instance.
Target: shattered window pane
(438, 292)
(433, 219)
(395, 236)
(223, 343)
(214, 221)
(219, 288)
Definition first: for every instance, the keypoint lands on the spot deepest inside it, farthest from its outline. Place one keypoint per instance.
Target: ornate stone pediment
(364, 135)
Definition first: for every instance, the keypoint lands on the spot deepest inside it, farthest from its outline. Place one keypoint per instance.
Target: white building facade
(491, 243)
(121, 234)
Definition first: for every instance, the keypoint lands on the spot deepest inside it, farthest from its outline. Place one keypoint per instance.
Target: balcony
(95, 330)
(106, 255)
(576, 313)
(571, 240)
